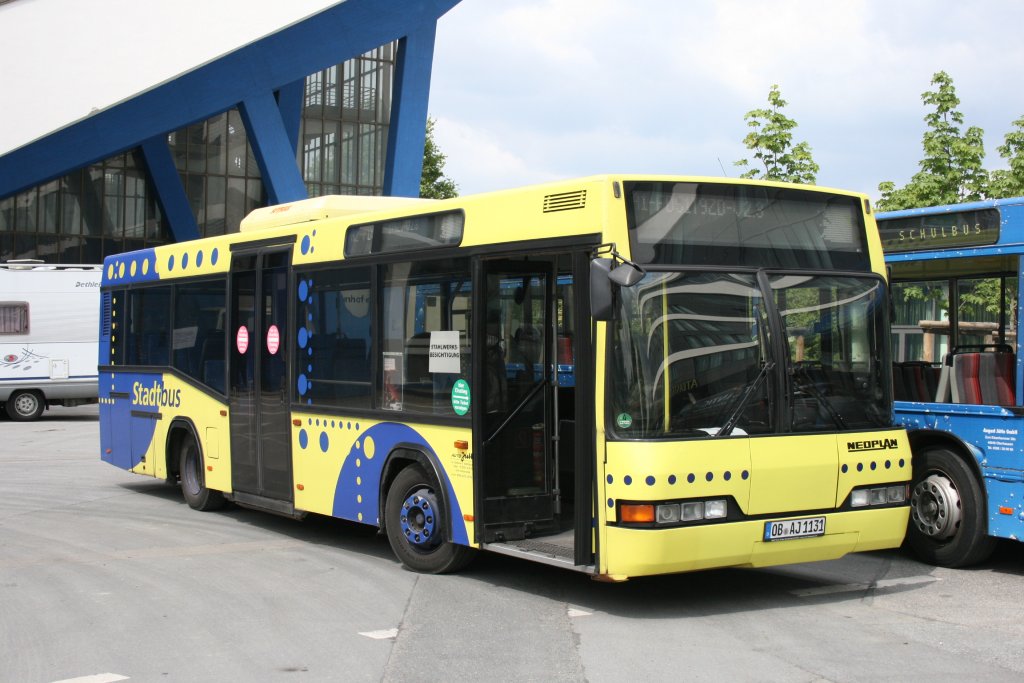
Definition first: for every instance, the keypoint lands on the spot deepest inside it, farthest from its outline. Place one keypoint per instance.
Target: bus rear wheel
(415, 521)
(24, 406)
(193, 482)
(947, 511)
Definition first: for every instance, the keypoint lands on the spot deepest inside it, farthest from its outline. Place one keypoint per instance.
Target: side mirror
(601, 300)
(626, 274)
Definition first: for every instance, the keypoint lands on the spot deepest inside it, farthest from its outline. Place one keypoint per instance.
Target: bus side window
(422, 300)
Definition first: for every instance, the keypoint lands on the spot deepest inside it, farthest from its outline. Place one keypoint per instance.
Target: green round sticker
(624, 421)
(460, 397)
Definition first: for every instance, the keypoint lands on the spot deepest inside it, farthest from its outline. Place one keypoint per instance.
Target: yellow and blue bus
(958, 375)
(619, 375)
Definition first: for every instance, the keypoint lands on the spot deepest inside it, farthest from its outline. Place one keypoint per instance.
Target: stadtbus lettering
(156, 396)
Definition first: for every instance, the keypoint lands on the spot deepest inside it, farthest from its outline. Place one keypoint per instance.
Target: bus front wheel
(193, 482)
(24, 406)
(947, 511)
(415, 523)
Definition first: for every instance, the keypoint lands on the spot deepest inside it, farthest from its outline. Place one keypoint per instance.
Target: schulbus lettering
(939, 233)
(872, 445)
(155, 395)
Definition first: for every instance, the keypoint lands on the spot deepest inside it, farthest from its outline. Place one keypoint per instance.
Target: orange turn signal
(300, 487)
(297, 422)
(1005, 510)
(462, 445)
(633, 512)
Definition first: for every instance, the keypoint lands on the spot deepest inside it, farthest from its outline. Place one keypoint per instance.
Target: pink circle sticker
(242, 339)
(273, 339)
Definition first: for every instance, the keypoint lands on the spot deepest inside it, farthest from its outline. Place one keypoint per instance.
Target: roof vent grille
(565, 201)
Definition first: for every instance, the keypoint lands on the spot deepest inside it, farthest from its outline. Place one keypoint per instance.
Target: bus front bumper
(643, 552)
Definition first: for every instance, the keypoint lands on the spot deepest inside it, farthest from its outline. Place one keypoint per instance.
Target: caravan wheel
(25, 405)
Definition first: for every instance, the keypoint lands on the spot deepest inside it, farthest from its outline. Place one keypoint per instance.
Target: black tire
(193, 482)
(947, 511)
(25, 405)
(414, 517)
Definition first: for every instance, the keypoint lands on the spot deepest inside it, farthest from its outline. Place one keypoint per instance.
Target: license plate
(794, 528)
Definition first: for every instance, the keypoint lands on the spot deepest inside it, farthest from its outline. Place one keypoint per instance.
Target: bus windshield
(692, 353)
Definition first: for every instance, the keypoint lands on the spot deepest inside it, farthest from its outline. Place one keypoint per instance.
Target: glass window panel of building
(110, 207)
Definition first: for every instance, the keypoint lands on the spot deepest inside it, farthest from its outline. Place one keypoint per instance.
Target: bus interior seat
(915, 381)
(996, 376)
(983, 378)
(943, 394)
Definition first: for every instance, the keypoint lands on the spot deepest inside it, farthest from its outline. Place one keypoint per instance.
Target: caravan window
(14, 318)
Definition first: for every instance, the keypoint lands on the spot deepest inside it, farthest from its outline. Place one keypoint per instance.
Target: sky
(527, 91)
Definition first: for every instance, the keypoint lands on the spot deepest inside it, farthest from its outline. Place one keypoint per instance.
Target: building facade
(355, 127)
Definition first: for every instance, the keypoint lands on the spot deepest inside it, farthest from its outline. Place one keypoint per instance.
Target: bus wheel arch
(416, 517)
(948, 511)
(185, 459)
(25, 405)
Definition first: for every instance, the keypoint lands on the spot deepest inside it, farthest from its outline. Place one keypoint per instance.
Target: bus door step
(539, 551)
(252, 501)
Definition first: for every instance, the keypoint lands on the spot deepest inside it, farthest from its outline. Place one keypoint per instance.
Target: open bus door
(533, 417)
(515, 414)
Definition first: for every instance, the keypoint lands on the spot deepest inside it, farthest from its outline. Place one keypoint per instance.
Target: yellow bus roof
(318, 208)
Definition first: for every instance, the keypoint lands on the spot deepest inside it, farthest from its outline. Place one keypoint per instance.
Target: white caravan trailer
(49, 336)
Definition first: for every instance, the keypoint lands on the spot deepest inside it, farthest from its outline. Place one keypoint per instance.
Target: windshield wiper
(744, 399)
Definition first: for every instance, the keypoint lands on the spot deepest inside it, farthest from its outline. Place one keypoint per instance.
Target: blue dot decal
(324, 441)
(303, 438)
(184, 260)
(690, 478)
(860, 467)
(170, 262)
(728, 476)
(213, 257)
(609, 479)
(199, 258)
(305, 244)
(671, 478)
(303, 385)
(888, 464)
(709, 476)
(873, 465)
(902, 462)
(611, 503)
(745, 475)
(303, 290)
(627, 480)
(303, 337)
(650, 481)
(846, 468)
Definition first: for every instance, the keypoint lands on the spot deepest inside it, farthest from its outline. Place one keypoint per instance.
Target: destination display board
(940, 231)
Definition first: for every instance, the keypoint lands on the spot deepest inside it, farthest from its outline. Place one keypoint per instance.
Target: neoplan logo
(872, 445)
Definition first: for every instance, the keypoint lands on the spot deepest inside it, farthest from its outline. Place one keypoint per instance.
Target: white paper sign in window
(444, 351)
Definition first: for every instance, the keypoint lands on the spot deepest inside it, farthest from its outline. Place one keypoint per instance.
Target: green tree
(951, 170)
(434, 184)
(1010, 183)
(771, 141)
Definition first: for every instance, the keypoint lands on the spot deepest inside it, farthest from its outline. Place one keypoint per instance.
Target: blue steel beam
(169, 193)
(273, 149)
(403, 165)
(340, 32)
(289, 101)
